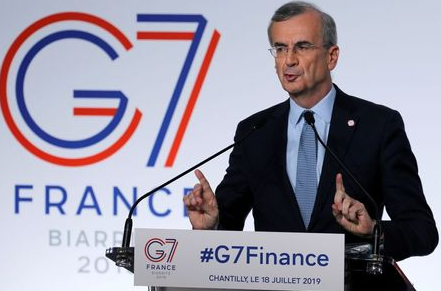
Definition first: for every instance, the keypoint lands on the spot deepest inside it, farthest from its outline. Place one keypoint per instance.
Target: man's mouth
(290, 77)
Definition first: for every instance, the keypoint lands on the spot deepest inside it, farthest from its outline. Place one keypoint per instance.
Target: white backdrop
(57, 220)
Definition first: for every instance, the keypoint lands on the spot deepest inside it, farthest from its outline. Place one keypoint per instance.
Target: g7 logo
(49, 141)
(156, 250)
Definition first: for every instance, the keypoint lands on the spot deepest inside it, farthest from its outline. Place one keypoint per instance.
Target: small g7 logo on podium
(158, 250)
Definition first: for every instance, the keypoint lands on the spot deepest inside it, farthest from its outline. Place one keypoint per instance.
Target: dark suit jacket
(376, 150)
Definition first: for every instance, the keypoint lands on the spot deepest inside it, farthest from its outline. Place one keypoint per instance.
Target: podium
(167, 260)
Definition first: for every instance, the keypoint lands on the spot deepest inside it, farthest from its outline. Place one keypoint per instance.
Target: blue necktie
(306, 180)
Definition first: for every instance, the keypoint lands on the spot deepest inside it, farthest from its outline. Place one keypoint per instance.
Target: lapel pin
(351, 122)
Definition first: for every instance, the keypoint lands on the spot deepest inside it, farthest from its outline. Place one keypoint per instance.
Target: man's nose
(291, 58)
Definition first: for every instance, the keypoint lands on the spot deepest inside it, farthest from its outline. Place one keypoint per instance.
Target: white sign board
(239, 260)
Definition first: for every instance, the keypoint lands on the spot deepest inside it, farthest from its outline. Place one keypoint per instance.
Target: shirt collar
(322, 110)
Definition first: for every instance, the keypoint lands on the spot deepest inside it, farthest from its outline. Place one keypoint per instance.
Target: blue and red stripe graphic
(195, 38)
(113, 113)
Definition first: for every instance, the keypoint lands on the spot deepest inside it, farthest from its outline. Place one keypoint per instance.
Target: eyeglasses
(300, 48)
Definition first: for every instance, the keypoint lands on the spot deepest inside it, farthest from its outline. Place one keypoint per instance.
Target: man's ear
(333, 53)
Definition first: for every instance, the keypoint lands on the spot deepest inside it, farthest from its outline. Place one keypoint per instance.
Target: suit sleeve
(233, 194)
(412, 230)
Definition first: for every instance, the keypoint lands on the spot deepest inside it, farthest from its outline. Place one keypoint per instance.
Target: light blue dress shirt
(322, 115)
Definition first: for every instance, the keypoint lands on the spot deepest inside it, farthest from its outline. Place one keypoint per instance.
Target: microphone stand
(124, 256)
(374, 266)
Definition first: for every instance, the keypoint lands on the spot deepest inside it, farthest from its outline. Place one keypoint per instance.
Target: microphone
(375, 267)
(123, 256)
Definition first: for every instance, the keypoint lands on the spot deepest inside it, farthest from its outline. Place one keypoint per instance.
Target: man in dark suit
(265, 173)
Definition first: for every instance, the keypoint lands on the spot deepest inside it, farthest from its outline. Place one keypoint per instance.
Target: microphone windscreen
(309, 117)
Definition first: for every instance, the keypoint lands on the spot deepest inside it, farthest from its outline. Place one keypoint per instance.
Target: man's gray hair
(295, 8)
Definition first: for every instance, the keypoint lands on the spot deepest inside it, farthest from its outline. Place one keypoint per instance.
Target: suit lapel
(279, 131)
